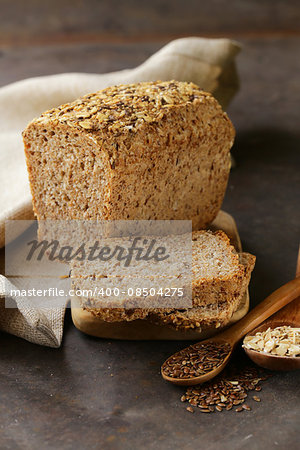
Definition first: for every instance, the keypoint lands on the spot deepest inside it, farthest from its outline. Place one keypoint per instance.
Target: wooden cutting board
(144, 330)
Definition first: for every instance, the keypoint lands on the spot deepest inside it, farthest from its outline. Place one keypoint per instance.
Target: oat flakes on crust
(125, 107)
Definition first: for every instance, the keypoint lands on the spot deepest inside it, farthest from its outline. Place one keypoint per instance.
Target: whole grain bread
(209, 315)
(152, 150)
(220, 277)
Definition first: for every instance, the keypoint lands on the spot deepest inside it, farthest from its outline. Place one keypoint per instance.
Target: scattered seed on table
(246, 407)
(227, 390)
(190, 409)
(238, 402)
(257, 399)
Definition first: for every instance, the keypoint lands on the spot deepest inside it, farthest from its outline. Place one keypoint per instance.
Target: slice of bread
(219, 272)
(209, 315)
(220, 279)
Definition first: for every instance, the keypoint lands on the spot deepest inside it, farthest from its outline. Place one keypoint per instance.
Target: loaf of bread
(220, 277)
(152, 150)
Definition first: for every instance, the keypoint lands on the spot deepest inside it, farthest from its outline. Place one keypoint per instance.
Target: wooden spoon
(273, 303)
(290, 315)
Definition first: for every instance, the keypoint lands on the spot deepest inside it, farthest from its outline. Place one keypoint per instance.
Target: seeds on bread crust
(117, 108)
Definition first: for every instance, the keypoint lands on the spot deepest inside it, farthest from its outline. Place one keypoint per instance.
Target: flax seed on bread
(152, 150)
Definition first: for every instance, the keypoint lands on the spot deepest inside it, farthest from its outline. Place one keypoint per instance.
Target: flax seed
(196, 360)
(226, 391)
(246, 407)
(190, 409)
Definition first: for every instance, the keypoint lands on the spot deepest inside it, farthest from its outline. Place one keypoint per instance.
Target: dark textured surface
(68, 398)
(51, 59)
(109, 395)
(114, 19)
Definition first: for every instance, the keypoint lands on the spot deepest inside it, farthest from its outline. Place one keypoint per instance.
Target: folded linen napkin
(210, 63)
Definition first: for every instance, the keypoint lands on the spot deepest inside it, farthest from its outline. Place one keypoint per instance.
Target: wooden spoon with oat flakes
(286, 317)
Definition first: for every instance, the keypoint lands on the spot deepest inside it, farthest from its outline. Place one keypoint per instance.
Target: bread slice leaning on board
(215, 314)
(220, 277)
(152, 150)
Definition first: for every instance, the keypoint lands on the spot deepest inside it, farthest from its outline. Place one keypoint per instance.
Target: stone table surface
(102, 394)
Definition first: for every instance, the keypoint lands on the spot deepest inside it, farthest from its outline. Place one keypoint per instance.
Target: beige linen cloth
(210, 63)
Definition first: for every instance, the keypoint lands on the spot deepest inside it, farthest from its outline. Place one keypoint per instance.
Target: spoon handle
(273, 303)
(290, 314)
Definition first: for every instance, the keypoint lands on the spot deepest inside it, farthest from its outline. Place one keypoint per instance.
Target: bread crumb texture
(220, 278)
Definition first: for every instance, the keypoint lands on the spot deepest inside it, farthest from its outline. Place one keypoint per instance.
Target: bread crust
(115, 314)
